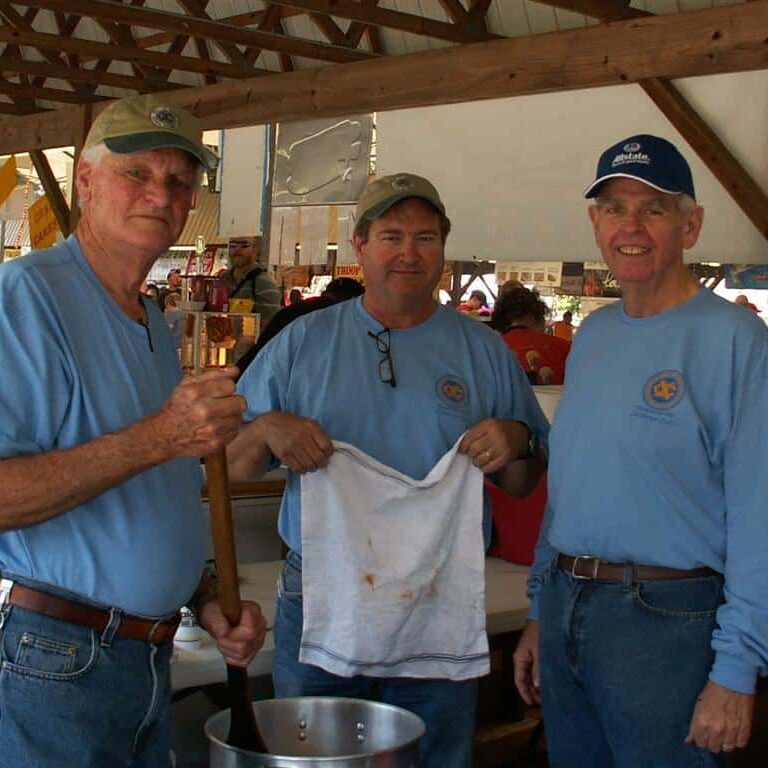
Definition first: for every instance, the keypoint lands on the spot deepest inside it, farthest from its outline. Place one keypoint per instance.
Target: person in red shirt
(745, 302)
(519, 316)
(563, 329)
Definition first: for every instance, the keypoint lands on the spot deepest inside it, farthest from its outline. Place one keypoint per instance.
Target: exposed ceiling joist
(605, 10)
(718, 40)
(108, 51)
(382, 17)
(199, 27)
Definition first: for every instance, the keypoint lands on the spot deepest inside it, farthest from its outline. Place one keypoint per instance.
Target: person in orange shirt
(520, 317)
(563, 329)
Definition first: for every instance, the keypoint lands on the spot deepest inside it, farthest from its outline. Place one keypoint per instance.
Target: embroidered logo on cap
(453, 390)
(664, 390)
(632, 147)
(164, 117)
(402, 183)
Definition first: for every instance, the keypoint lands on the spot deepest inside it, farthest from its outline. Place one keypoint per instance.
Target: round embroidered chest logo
(453, 390)
(664, 390)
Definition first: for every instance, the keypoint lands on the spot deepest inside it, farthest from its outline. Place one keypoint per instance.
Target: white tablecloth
(201, 664)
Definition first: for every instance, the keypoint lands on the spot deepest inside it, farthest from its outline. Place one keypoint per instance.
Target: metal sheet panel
(321, 162)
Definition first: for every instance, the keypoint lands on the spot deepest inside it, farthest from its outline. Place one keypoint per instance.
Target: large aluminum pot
(316, 731)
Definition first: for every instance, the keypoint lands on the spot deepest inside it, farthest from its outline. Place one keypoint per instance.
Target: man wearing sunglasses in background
(247, 279)
(401, 378)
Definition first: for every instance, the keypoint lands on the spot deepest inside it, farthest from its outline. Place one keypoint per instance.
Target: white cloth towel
(393, 569)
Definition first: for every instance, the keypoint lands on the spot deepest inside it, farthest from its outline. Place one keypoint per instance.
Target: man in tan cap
(400, 378)
(96, 557)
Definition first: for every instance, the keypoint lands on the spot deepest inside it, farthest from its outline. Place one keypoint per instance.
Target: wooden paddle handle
(222, 530)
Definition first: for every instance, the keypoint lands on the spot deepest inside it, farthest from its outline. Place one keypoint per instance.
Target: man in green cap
(405, 381)
(96, 557)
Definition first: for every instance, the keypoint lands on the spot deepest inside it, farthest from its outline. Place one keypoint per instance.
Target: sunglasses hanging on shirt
(386, 364)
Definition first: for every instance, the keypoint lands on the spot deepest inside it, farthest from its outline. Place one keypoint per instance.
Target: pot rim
(330, 760)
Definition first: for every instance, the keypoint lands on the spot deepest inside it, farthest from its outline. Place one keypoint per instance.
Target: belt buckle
(595, 566)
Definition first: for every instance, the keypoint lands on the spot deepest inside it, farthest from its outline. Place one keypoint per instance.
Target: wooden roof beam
(605, 10)
(122, 53)
(52, 190)
(382, 17)
(712, 41)
(195, 27)
(239, 20)
(230, 50)
(747, 193)
(74, 74)
(25, 91)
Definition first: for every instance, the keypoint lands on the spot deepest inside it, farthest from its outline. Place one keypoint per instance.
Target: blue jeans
(621, 667)
(70, 696)
(447, 708)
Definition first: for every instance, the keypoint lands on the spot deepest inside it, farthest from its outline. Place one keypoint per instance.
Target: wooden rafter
(81, 75)
(198, 27)
(30, 91)
(329, 28)
(381, 17)
(47, 42)
(717, 40)
(717, 157)
(239, 20)
(286, 62)
(231, 51)
(357, 29)
(605, 10)
(455, 10)
(23, 25)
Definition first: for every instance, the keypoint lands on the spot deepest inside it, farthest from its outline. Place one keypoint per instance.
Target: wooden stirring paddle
(243, 730)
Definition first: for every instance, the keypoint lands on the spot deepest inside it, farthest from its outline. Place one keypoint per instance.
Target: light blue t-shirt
(76, 367)
(451, 373)
(658, 456)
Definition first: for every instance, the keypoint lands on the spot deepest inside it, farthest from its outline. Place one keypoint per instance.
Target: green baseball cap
(380, 195)
(142, 123)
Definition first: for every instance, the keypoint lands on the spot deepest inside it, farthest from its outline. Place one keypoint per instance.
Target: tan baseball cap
(380, 195)
(142, 123)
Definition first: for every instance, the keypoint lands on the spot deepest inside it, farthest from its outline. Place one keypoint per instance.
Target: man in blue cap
(649, 621)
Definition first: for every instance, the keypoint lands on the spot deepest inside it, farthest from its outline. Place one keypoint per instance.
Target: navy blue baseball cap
(650, 159)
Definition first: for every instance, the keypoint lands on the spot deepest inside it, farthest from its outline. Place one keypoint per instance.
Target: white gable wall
(512, 171)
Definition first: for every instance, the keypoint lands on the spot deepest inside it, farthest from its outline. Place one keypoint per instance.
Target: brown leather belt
(155, 632)
(589, 568)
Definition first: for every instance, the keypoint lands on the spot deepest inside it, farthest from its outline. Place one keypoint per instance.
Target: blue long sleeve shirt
(658, 456)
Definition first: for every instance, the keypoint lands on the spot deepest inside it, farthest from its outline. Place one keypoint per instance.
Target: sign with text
(42, 224)
(7, 178)
(355, 271)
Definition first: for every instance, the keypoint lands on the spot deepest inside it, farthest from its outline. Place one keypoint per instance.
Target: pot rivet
(361, 726)
(302, 736)
(302, 724)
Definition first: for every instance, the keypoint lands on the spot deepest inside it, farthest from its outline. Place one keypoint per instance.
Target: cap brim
(385, 205)
(145, 142)
(591, 190)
